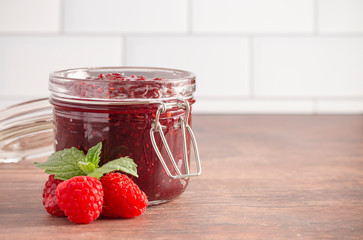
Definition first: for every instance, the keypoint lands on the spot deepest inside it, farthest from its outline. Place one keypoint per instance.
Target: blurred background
(250, 56)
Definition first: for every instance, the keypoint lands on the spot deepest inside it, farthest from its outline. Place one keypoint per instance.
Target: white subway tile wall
(35, 16)
(343, 16)
(125, 16)
(258, 106)
(221, 63)
(26, 61)
(345, 106)
(250, 56)
(308, 67)
(252, 16)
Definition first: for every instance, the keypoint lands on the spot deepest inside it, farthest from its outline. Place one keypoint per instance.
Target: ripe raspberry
(80, 198)
(50, 199)
(122, 198)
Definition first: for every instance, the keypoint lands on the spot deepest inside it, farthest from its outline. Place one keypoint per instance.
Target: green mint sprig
(72, 162)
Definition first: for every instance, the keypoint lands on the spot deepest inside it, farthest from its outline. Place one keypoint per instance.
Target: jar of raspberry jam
(142, 113)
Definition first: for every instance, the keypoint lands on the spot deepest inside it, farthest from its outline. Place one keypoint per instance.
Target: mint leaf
(72, 162)
(64, 164)
(93, 154)
(124, 164)
(86, 167)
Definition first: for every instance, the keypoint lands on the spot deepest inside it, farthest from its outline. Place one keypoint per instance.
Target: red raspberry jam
(118, 108)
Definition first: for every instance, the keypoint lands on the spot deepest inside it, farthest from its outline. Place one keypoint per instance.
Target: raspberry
(122, 198)
(49, 198)
(80, 198)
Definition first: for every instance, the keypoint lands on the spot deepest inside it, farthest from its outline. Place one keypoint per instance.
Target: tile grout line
(166, 35)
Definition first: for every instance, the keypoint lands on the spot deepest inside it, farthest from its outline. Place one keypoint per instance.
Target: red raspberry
(122, 198)
(80, 198)
(49, 198)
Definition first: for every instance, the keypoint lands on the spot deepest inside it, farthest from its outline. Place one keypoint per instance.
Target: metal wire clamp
(183, 124)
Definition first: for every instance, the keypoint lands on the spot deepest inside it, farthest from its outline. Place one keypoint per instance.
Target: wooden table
(264, 177)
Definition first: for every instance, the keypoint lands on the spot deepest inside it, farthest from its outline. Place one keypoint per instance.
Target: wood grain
(264, 177)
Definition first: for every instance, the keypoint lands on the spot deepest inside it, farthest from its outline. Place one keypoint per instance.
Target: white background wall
(250, 56)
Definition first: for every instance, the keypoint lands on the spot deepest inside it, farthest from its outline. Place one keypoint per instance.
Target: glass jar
(146, 117)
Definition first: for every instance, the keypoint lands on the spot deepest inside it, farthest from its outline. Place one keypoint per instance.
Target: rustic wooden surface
(264, 177)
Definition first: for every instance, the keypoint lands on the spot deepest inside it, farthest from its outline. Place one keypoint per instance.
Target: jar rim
(169, 84)
(58, 74)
